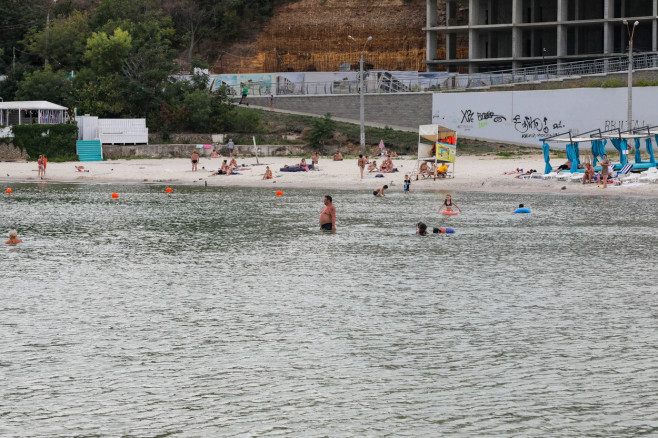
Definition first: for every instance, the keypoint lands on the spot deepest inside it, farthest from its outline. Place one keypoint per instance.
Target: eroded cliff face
(309, 35)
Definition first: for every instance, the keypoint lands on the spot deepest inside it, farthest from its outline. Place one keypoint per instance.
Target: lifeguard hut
(440, 147)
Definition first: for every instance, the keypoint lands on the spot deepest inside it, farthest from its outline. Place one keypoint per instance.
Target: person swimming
(421, 229)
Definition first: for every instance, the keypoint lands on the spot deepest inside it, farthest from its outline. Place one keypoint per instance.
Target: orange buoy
(169, 190)
(279, 193)
(9, 191)
(115, 195)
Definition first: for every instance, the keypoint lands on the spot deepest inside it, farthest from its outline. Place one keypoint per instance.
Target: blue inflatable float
(522, 210)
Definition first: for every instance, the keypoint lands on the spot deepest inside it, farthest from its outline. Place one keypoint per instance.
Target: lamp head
(625, 22)
(370, 37)
(636, 23)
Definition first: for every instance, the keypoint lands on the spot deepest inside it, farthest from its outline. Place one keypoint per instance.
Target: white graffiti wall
(525, 117)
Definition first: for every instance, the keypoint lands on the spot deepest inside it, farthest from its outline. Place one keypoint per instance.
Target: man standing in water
(328, 215)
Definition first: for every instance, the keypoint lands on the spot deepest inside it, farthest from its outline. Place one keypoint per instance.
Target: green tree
(104, 97)
(47, 85)
(63, 42)
(106, 54)
(323, 129)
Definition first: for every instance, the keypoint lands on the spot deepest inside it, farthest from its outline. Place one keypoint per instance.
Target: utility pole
(362, 137)
(630, 72)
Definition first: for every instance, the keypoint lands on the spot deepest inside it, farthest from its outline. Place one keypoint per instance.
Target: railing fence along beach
(384, 81)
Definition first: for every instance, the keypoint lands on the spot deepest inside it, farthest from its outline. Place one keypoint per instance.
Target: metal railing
(379, 81)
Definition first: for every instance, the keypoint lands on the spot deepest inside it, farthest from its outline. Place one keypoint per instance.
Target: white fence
(113, 131)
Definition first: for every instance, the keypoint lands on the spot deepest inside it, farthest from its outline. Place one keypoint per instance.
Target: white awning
(31, 105)
(572, 140)
(434, 132)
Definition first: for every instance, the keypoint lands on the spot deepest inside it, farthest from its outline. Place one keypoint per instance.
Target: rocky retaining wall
(9, 152)
(113, 152)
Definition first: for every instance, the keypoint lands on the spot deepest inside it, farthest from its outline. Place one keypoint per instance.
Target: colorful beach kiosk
(440, 147)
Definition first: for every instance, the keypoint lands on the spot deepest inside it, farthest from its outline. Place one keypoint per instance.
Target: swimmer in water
(421, 229)
(13, 238)
(448, 204)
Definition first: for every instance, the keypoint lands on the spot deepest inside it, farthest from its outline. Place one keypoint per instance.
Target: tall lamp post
(362, 139)
(631, 32)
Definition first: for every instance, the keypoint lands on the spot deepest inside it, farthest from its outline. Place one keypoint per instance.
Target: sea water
(226, 312)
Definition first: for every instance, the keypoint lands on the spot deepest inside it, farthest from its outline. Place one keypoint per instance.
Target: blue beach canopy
(652, 159)
(598, 150)
(572, 155)
(638, 155)
(547, 159)
(621, 146)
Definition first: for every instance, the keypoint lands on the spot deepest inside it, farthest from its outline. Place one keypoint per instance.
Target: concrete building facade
(504, 34)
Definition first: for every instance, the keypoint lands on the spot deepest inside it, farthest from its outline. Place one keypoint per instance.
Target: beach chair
(623, 171)
(563, 176)
(551, 175)
(649, 175)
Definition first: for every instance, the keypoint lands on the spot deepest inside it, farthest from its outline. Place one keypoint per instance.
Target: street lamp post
(630, 72)
(362, 139)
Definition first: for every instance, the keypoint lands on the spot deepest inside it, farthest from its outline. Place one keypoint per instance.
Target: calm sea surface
(225, 312)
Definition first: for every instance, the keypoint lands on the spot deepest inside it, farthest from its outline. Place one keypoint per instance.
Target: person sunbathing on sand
(513, 172)
(224, 170)
(268, 173)
(338, 156)
(387, 166)
(423, 170)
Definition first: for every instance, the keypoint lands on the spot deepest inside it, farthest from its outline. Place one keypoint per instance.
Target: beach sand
(472, 173)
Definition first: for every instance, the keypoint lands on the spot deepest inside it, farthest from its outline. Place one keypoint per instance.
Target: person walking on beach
(195, 160)
(230, 146)
(40, 164)
(328, 215)
(448, 204)
(45, 165)
(379, 191)
(361, 162)
(604, 170)
(13, 238)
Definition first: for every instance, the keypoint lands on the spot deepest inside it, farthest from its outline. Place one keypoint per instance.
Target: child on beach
(407, 184)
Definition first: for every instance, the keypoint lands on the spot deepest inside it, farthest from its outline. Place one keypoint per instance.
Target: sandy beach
(472, 173)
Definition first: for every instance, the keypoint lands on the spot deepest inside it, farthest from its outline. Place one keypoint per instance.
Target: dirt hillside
(312, 35)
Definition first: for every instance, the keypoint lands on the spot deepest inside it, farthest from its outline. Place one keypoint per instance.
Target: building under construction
(489, 35)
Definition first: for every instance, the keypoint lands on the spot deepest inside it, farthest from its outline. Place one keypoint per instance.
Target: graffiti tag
(529, 123)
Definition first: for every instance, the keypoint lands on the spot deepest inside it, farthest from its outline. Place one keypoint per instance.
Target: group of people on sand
(229, 168)
(428, 169)
(42, 162)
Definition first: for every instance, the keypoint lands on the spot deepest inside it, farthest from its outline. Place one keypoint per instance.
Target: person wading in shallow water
(328, 215)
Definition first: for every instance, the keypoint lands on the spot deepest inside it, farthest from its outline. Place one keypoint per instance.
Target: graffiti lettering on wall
(468, 116)
(623, 124)
(496, 118)
(530, 124)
